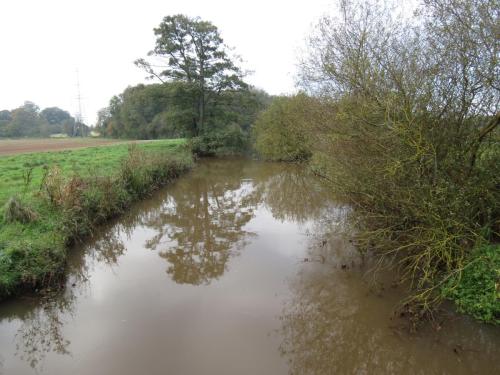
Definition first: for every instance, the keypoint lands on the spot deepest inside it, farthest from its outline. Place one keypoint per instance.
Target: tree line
(169, 110)
(201, 94)
(29, 121)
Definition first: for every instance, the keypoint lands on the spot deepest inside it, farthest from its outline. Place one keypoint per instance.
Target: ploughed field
(21, 146)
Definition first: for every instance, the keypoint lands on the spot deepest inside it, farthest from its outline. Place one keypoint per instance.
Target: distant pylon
(79, 116)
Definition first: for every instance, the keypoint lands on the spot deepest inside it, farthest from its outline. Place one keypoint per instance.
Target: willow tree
(191, 50)
(409, 133)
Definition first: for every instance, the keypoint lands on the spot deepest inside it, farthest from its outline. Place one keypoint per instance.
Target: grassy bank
(51, 199)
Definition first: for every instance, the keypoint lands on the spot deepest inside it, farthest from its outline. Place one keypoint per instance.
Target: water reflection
(197, 225)
(42, 318)
(41, 331)
(201, 223)
(339, 322)
(293, 194)
(105, 248)
(118, 294)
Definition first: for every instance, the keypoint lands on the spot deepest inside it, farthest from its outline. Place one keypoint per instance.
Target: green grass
(81, 189)
(101, 160)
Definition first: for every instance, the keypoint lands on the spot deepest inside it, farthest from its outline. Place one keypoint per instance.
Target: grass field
(67, 194)
(84, 161)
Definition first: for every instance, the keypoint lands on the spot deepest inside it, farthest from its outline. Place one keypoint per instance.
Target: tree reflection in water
(292, 193)
(41, 331)
(201, 224)
(41, 317)
(198, 224)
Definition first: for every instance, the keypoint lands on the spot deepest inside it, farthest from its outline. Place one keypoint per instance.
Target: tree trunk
(201, 111)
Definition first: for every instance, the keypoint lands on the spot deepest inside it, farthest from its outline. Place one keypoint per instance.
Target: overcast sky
(43, 43)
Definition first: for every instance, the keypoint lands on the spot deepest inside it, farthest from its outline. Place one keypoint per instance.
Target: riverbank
(52, 199)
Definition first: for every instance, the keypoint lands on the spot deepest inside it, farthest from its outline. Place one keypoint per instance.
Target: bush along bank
(403, 121)
(434, 220)
(35, 237)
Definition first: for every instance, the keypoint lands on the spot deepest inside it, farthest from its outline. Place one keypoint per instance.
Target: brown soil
(21, 146)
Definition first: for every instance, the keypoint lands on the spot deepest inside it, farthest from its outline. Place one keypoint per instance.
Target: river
(238, 267)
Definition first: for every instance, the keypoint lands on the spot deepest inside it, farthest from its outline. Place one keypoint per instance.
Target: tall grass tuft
(15, 211)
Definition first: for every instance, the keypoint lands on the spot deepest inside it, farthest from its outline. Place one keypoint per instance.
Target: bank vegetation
(57, 205)
(401, 115)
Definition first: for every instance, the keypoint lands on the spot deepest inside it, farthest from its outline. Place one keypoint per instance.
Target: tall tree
(55, 115)
(195, 53)
(57, 120)
(25, 121)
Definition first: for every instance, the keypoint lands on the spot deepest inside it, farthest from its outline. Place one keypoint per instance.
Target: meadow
(21, 174)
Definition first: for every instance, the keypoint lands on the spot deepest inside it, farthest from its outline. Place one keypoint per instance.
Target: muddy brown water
(238, 267)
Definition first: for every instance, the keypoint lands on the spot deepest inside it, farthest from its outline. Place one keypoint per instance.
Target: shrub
(404, 136)
(281, 131)
(85, 202)
(223, 141)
